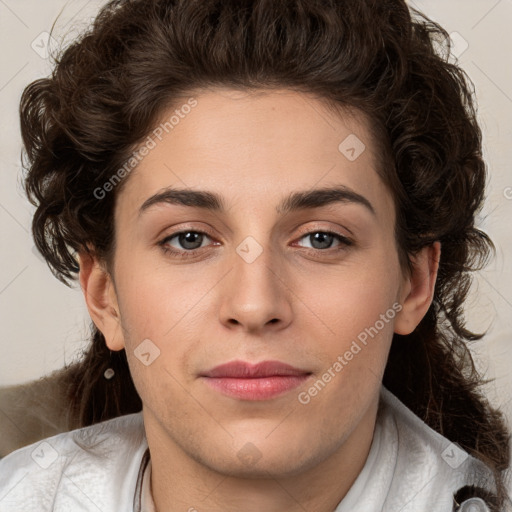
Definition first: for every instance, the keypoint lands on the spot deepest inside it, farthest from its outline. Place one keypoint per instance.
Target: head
(191, 152)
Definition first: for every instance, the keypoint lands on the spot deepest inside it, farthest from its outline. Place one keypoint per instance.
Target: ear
(101, 299)
(417, 291)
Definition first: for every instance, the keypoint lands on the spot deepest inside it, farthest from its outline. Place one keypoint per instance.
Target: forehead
(256, 145)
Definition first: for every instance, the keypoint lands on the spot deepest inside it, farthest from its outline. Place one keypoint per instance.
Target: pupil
(321, 237)
(188, 238)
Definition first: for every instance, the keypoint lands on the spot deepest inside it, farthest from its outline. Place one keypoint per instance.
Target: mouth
(262, 381)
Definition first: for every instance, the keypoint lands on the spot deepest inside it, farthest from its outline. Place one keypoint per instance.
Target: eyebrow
(300, 200)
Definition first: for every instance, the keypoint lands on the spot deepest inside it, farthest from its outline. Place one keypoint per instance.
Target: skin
(297, 302)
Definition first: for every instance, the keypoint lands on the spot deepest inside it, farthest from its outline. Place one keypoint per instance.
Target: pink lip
(261, 381)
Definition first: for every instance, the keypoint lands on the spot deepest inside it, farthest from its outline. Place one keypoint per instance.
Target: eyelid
(322, 229)
(303, 231)
(163, 241)
(344, 241)
(184, 229)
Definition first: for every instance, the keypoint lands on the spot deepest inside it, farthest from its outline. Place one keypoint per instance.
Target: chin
(259, 456)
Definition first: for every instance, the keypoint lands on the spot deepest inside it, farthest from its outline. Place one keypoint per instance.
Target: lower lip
(262, 388)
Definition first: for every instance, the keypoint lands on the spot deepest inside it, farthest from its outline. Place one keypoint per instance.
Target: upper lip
(245, 370)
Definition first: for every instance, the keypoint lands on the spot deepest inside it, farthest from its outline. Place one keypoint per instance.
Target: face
(256, 274)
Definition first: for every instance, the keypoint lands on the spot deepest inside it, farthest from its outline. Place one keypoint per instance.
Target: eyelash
(183, 254)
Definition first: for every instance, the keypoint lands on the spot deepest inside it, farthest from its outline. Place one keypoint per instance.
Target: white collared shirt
(107, 467)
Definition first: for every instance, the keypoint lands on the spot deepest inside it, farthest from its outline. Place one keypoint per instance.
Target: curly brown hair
(378, 57)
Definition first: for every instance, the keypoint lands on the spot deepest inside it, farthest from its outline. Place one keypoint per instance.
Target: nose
(255, 295)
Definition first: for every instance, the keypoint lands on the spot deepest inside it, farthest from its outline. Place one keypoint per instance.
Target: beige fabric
(31, 412)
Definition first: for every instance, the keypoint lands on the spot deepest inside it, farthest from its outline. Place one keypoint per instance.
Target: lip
(261, 381)
(243, 370)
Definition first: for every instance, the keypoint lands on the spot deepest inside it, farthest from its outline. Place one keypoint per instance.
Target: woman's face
(270, 270)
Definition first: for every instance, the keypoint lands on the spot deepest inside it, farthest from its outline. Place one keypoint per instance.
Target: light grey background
(45, 324)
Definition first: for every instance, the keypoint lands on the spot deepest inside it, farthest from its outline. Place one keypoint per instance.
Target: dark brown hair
(110, 86)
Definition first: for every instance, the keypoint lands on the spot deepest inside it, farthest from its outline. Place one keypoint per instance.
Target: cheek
(353, 336)
(347, 301)
(160, 317)
(156, 301)
(353, 327)
(163, 314)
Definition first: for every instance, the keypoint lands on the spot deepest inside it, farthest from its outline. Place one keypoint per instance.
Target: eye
(184, 242)
(321, 240)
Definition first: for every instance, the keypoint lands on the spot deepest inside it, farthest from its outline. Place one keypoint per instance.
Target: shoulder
(90, 468)
(36, 410)
(429, 468)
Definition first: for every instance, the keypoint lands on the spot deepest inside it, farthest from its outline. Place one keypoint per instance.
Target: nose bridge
(255, 295)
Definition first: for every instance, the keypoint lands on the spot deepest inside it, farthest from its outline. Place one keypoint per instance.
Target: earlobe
(100, 297)
(418, 289)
